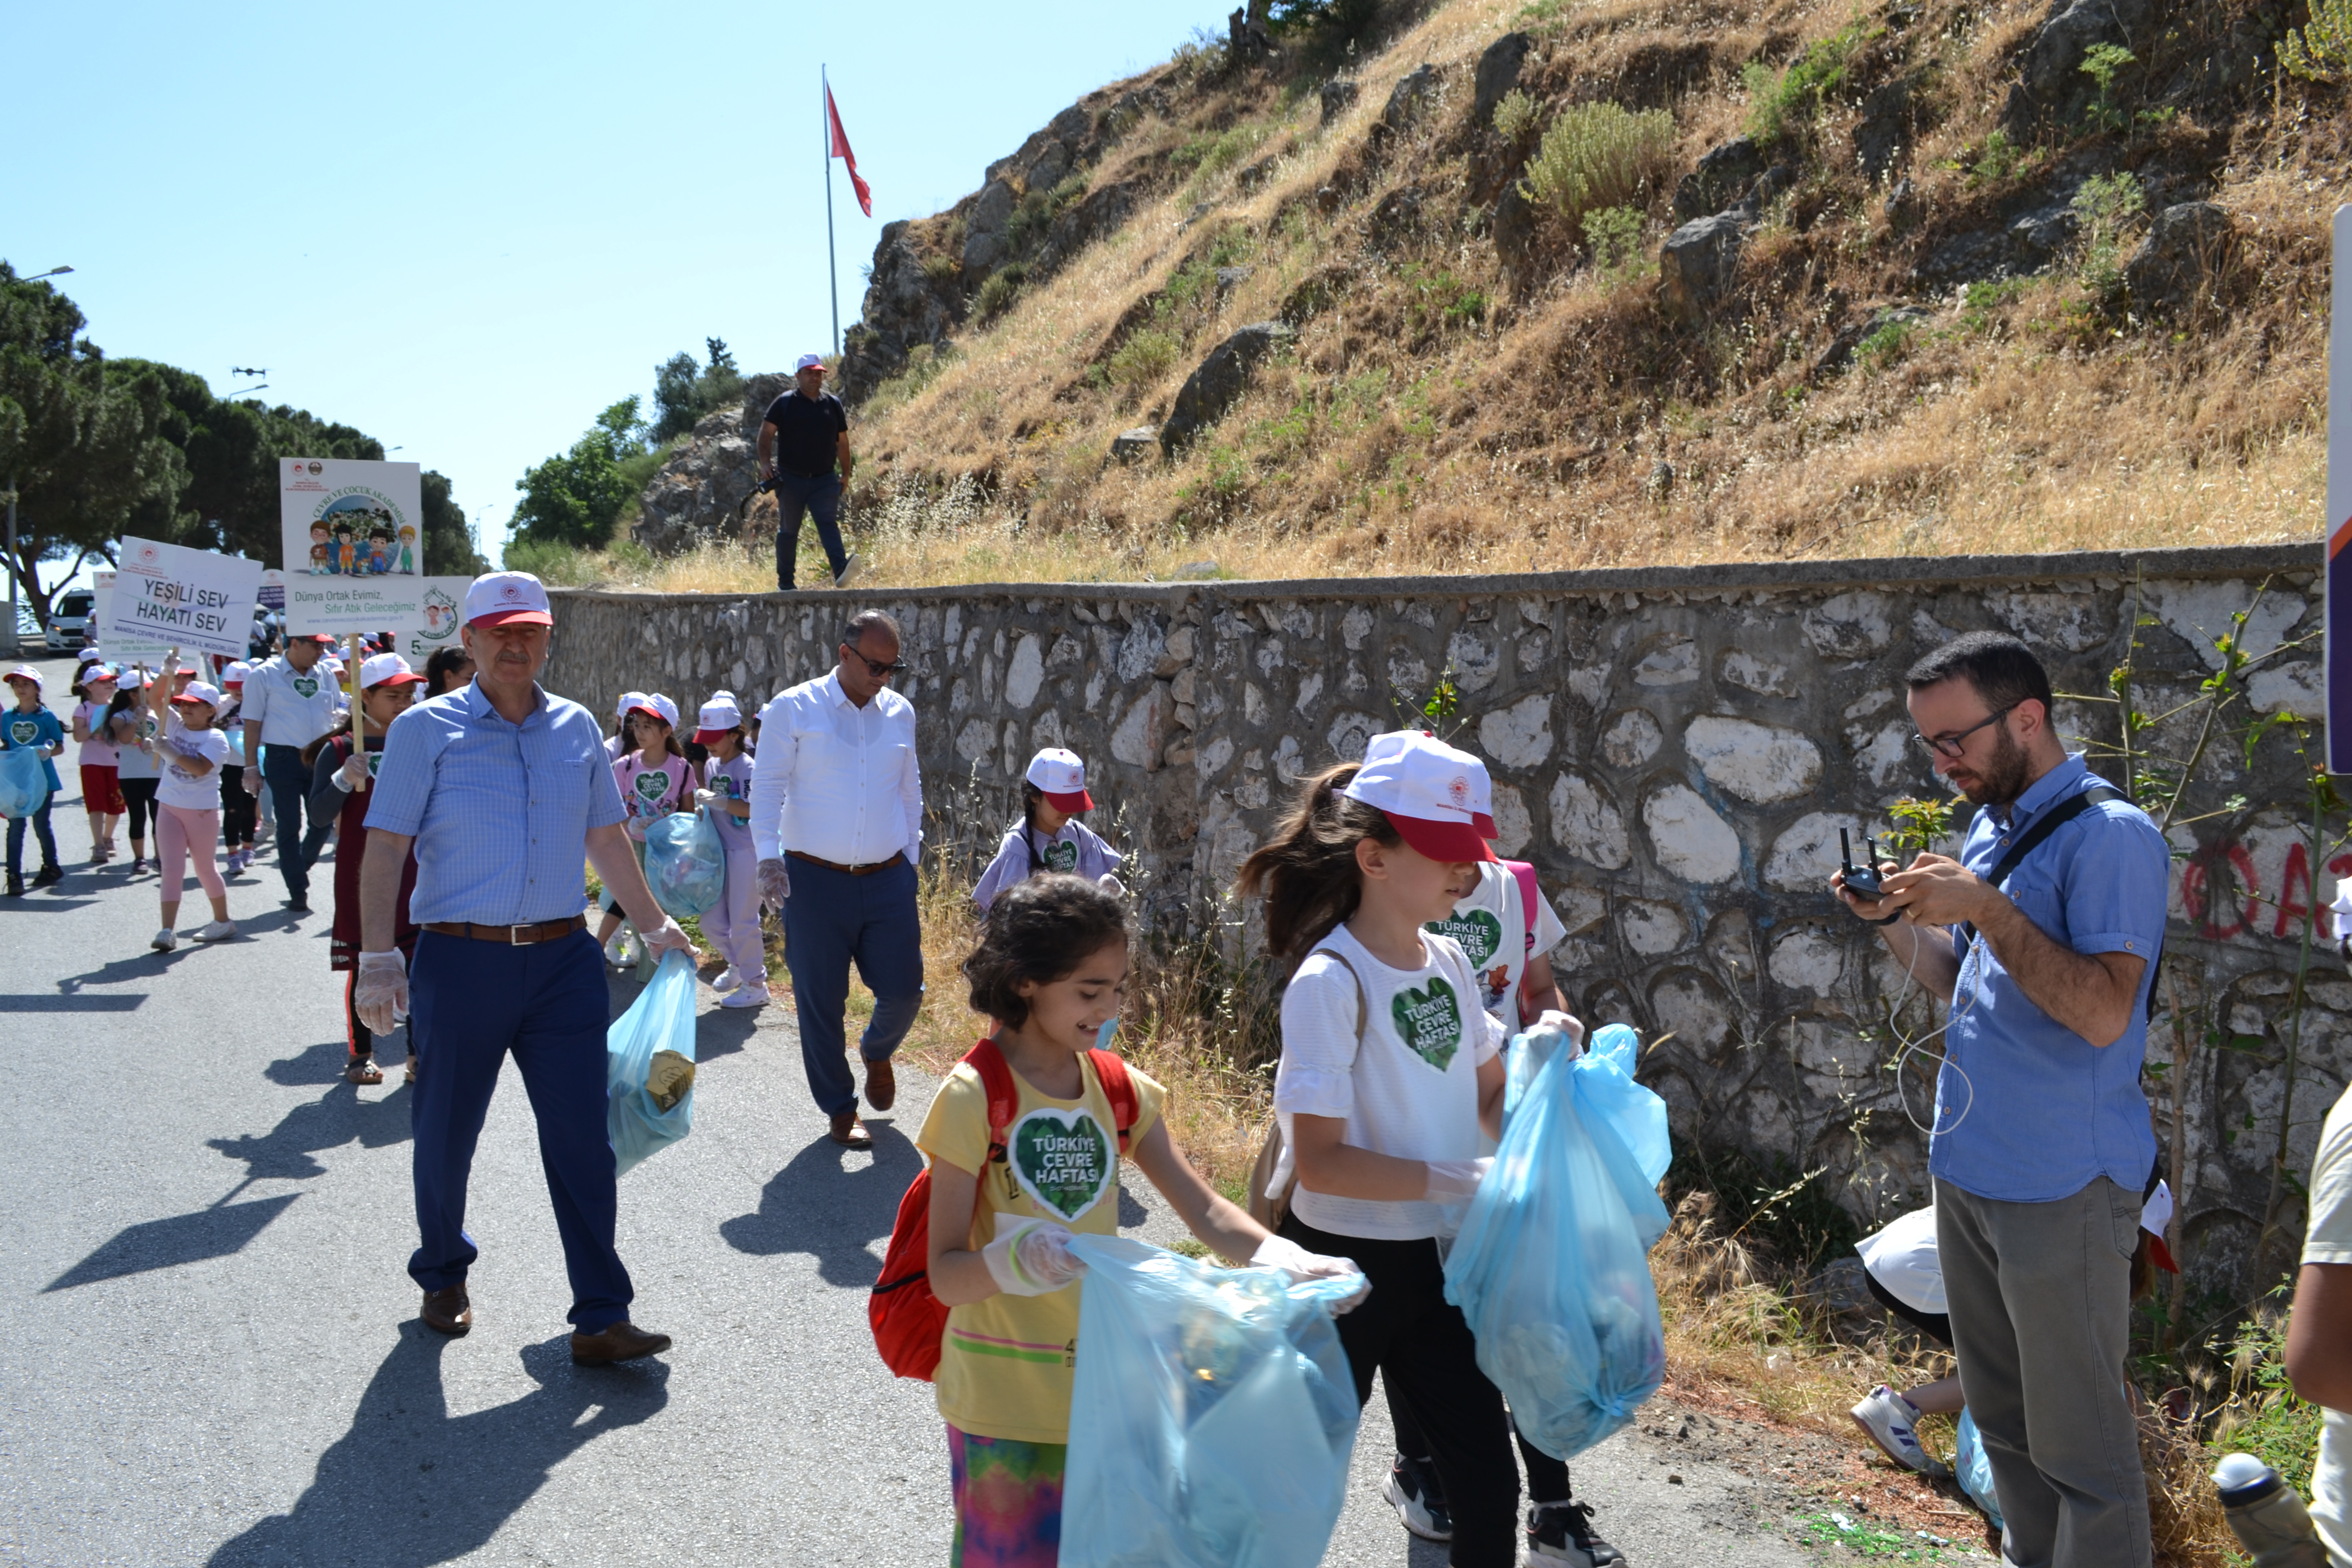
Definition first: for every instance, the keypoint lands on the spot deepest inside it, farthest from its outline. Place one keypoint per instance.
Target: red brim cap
(513, 618)
(411, 679)
(703, 737)
(652, 713)
(192, 702)
(1451, 842)
(1068, 805)
(1485, 826)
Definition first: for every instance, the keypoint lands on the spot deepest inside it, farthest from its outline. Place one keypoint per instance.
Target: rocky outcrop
(2051, 82)
(1497, 74)
(699, 492)
(1222, 377)
(906, 304)
(2183, 249)
(1696, 264)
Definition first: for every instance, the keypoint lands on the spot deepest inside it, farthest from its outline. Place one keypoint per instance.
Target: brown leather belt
(865, 870)
(513, 936)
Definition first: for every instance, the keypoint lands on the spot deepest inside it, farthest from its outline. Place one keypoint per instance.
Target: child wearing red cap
(655, 780)
(31, 726)
(339, 781)
(240, 811)
(1391, 1070)
(1050, 837)
(101, 787)
(188, 751)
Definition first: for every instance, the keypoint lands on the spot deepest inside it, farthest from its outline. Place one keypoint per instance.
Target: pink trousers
(180, 833)
(732, 925)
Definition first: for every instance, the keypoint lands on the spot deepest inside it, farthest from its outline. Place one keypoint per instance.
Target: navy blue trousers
(819, 498)
(832, 919)
(289, 782)
(470, 1003)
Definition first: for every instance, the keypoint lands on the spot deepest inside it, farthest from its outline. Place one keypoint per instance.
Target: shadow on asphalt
(462, 1476)
(336, 1118)
(723, 1033)
(61, 904)
(214, 1232)
(100, 1002)
(816, 1206)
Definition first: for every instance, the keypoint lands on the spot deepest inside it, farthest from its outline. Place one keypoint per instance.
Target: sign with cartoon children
(354, 544)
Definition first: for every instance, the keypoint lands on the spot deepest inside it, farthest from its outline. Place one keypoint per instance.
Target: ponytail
(1308, 871)
(1030, 795)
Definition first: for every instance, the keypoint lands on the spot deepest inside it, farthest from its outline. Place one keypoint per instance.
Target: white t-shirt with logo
(2327, 1238)
(177, 786)
(1493, 931)
(293, 707)
(1410, 1091)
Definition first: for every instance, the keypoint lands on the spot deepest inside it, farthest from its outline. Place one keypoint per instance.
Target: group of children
(1383, 896)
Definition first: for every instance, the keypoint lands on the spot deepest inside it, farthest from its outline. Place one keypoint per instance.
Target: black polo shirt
(807, 432)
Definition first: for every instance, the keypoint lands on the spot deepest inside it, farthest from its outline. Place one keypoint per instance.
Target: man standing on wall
(804, 436)
(837, 818)
(290, 702)
(2042, 937)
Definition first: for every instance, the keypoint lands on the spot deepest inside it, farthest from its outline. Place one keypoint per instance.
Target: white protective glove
(1032, 1258)
(1281, 1252)
(775, 883)
(1455, 1181)
(380, 996)
(1112, 885)
(354, 773)
(664, 938)
(1568, 1030)
(703, 797)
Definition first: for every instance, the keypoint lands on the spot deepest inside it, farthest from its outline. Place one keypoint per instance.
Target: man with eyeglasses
(2042, 937)
(837, 819)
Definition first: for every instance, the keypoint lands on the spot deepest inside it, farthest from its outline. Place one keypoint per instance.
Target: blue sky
(464, 229)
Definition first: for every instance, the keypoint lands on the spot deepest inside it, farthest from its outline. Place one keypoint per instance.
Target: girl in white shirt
(188, 752)
(1391, 1068)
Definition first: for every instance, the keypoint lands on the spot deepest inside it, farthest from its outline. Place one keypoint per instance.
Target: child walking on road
(338, 779)
(1049, 971)
(189, 750)
(1049, 837)
(101, 792)
(655, 780)
(732, 925)
(240, 812)
(31, 726)
(129, 726)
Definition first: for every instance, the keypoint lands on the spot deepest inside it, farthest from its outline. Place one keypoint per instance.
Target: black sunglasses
(1950, 746)
(881, 671)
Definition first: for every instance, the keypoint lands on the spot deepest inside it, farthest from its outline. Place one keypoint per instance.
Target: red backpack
(909, 1323)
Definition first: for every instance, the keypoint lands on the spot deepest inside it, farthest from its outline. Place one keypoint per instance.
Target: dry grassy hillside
(1452, 404)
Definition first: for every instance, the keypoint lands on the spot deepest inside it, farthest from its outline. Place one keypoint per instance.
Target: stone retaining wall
(1674, 750)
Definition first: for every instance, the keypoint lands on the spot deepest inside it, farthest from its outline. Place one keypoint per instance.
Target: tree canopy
(684, 391)
(575, 498)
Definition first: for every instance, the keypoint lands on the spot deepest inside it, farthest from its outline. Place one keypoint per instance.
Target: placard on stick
(354, 544)
(198, 601)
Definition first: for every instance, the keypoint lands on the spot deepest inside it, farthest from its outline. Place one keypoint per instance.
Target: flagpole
(832, 267)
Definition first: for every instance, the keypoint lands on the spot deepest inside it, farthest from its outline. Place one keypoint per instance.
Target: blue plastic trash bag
(686, 863)
(1211, 1418)
(1605, 1088)
(1973, 1470)
(1551, 1270)
(24, 782)
(660, 1020)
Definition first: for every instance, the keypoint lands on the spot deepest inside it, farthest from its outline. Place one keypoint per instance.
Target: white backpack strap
(1363, 998)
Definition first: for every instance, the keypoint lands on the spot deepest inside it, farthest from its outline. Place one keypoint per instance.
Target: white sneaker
(165, 940)
(1893, 1423)
(752, 996)
(727, 979)
(852, 569)
(218, 930)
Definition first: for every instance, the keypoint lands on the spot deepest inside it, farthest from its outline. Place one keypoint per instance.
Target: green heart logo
(651, 785)
(1479, 933)
(1428, 1022)
(1062, 1160)
(306, 686)
(23, 731)
(1061, 855)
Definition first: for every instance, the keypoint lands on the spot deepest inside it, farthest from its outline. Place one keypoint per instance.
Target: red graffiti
(2210, 900)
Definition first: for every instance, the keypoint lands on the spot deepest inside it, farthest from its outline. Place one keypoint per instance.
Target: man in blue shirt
(2042, 1146)
(503, 790)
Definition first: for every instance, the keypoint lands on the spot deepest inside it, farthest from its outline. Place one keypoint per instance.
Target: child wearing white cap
(30, 726)
(1391, 1070)
(1049, 837)
(189, 750)
(240, 812)
(655, 780)
(619, 742)
(101, 786)
(732, 925)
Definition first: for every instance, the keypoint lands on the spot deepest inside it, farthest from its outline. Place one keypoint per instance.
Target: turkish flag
(840, 149)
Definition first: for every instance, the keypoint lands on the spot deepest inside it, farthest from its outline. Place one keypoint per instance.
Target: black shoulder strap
(2049, 822)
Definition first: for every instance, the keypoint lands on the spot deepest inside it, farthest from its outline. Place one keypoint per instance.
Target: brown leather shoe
(850, 1132)
(881, 1084)
(449, 1311)
(623, 1341)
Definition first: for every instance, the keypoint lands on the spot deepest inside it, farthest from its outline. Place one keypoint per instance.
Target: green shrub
(1612, 236)
(924, 364)
(1882, 347)
(2102, 206)
(1999, 159)
(1515, 116)
(1003, 286)
(940, 268)
(1211, 152)
(2103, 63)
(1038, 210)
(1143, 358)
(1784, 103)
(2322, 51)
(1597, 155)
(560, 566)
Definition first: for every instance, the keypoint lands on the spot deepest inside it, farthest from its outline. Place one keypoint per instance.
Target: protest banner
(355, 552)
(437, 624)
(198, 601)
(122, 652)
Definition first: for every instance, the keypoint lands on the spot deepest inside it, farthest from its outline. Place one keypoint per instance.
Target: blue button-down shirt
(2042, 1111)
(500, 812)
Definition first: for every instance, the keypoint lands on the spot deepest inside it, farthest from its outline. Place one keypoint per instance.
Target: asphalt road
(212, 1354)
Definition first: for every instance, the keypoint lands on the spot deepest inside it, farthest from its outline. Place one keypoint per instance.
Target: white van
(69, 627)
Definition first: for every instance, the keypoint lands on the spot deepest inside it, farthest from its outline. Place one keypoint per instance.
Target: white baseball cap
(508, 598)
(236, 673)
(1061, 777)
(202, 691)
(809, 362)
(717, 716)
(386, 670)
(1429, 789)
(628, 700)
(26, 672)
(91, 674)
(660, 707)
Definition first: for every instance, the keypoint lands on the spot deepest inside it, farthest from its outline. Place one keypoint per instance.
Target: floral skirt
(1008, 1502)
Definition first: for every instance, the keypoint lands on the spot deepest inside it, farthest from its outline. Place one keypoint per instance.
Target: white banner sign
(354, 538)
(444, 599)
(122, 652)
(198, 601)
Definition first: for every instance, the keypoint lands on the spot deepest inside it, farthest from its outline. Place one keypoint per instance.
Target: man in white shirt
(837, 818)
(2319, 1329)
(290, 702)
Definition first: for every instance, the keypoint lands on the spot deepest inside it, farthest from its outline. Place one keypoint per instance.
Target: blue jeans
(471, 1002)
(821, 498)
(831, 919)
(289, 788)
(40, 821)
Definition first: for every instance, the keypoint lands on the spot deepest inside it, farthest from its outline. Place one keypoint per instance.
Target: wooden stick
(359, 713)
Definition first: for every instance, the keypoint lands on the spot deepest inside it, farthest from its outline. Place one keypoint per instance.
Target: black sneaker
(1562, 1533)
(1419, 1497)
(49, 876)
(16, 885)
(297, 906)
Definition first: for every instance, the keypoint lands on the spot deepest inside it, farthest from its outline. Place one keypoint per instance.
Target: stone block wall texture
(1674, 749)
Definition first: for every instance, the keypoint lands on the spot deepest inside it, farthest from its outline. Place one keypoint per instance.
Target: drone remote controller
(1861, 880)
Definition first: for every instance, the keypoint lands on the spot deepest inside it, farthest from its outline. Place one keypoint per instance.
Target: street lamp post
(15, 644)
